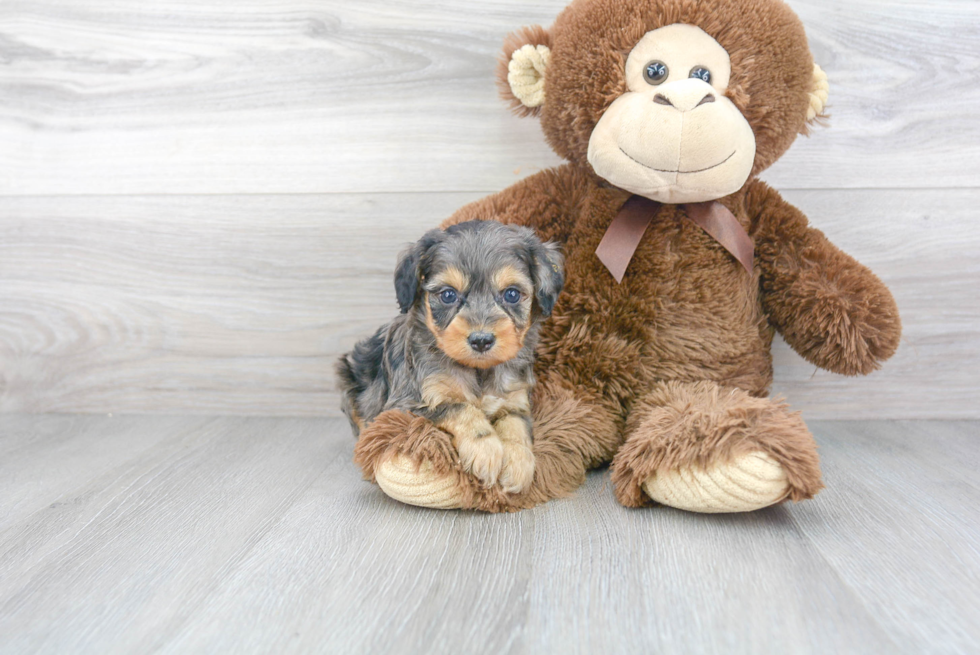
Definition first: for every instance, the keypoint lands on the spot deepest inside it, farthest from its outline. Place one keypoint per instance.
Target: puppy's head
(480, 286)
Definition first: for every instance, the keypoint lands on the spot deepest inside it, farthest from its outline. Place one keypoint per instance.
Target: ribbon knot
(623, 235)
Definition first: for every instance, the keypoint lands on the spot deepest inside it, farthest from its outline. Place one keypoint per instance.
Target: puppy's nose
(481, 342)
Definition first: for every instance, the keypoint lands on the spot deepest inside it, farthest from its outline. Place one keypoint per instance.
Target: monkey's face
(674, 136)
(479, 318)
(674, 100)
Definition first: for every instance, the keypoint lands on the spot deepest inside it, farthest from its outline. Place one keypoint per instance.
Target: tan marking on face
(509, 276)
(451, 277)
(510, 340)
(441, 389)
(454, 340)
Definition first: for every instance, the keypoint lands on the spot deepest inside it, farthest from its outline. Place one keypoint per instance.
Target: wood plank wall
(201, 202)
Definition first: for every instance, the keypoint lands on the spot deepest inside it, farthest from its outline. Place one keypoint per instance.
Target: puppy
(461, 353)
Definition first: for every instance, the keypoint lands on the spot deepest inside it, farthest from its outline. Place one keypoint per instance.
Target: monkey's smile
(661, 170)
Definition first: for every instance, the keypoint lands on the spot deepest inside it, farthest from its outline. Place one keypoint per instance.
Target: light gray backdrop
(201, 202)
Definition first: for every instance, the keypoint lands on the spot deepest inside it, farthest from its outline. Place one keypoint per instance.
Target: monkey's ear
(819, 92)
(408, 272)
(521, 70)
(547, 272)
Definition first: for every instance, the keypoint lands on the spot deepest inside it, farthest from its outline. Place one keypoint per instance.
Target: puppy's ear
(547, 272)
(407, 278)
(411, 264)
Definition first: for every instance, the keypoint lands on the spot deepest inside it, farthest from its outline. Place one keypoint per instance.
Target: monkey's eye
(449, 296)
(655, 72)
(512, 295)
(701, 73)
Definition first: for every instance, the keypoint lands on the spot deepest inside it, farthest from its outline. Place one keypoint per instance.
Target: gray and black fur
(395, 368)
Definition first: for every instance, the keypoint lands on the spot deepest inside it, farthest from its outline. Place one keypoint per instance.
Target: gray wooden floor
(207, 535)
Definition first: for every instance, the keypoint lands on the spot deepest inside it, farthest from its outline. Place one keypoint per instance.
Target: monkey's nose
(684, 96)
(481, 342)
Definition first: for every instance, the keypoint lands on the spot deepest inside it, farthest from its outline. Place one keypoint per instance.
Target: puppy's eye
(655, 72)
(449, 296)
(701, 73)
(512, 295)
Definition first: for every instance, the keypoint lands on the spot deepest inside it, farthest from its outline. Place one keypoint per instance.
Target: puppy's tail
(361, 380)
(350, 389)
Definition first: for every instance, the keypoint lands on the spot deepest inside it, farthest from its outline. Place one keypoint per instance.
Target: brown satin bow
(623, 235)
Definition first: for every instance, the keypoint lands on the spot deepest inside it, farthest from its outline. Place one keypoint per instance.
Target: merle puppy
(462, 351)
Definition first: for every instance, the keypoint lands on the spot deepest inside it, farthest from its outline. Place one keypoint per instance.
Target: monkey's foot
(701, 447)
(411, 460)
(415, 462)
(749, 482)
(401, 479)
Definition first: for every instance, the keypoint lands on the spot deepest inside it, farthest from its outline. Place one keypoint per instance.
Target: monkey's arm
(540, 202)
(830, 309)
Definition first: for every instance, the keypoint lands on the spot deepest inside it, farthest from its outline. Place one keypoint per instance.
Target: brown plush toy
(666, 111)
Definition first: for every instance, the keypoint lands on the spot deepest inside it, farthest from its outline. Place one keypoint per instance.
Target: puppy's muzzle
(481, 342)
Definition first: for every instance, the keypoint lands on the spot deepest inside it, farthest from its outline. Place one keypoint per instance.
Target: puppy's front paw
(518, 469)
(479, 447)
(482, 456)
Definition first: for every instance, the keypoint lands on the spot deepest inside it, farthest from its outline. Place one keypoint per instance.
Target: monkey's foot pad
(747, 483)
(401, 479)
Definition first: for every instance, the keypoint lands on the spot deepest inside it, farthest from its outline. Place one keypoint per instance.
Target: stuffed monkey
(680, 264)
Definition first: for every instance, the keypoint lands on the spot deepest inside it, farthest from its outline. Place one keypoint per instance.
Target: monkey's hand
(830, 309)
